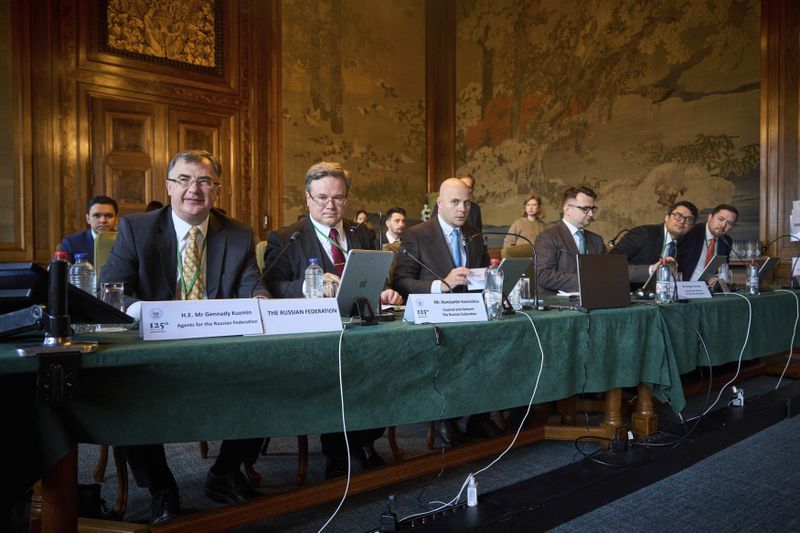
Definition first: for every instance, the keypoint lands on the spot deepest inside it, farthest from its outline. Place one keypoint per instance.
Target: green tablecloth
(135, 392)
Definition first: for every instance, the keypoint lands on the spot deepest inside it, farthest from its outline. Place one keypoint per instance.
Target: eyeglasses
(585, 208)
(185, 183)
(681, 218)
(323, 200)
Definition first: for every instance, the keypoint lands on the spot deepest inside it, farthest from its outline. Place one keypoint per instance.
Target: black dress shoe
(373, 459)
(166, 505)
(448, 432)
(230, 488)
(335, 467)
(482, 426)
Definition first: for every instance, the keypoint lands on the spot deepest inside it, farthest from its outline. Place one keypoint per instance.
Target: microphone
(405, 252)
(794, 283)
(613, 242)
(354, 229)
(267, 270)
(533, 258)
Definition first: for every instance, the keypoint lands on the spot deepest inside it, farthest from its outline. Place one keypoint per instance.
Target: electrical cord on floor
(454, 502)
(344, 430)
(794, 332)
(687, 432)
(592, 456)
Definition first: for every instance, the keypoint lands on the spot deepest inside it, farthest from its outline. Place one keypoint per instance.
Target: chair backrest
(102, 249)
(519, 251)
(394, 248)
(261, 249)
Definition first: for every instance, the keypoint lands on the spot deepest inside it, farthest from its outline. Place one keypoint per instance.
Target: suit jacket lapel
(441, 241)
(568, 240)
(215, 253)
(168, 250)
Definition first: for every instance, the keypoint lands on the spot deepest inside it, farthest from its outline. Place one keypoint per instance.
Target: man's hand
(391, 297)
(327, 276)
(670, 261)
(456, 277)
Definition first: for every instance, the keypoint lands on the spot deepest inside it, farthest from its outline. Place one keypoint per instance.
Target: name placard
(193, 319)
(442, 308)
(693, 290)
(300, 315)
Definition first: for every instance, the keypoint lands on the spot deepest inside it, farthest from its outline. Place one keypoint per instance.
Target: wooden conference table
(135, 392)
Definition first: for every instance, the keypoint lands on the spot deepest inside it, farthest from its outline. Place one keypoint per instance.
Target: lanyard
(333, 243)
(188, 289)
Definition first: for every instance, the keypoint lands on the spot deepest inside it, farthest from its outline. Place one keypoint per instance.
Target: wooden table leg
(612, 419)
(645, 419)
(60, 495)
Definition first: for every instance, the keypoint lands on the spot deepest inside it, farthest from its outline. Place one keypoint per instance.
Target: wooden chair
(261, 249)
(102, 249)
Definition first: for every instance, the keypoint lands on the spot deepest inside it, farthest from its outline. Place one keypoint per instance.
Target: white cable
(741, 353)
(344, 430)
(457, 497)
(794, 332)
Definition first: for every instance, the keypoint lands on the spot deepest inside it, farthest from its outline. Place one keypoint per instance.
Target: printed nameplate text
(441, 308)
(192, 319)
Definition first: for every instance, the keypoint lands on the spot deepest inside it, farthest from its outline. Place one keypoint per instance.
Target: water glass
(113, 294)
(329, 288)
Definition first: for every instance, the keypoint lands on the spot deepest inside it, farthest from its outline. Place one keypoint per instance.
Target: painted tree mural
(354, 90)
(547, 78)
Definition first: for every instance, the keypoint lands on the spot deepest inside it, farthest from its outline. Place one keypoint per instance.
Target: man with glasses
(704, 241)
(326, 235)
(556, 247)
(101, 215)
(187, 251)
(646, 245)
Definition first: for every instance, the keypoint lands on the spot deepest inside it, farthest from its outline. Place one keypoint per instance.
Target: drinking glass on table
(329, 288)
(113, 294)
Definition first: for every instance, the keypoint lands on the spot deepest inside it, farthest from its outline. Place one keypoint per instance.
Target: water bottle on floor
(493, 293)
(81, 274)
(313, 279)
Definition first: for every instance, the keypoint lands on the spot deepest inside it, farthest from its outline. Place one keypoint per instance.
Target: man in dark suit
(474, 217)
(324, 235)
(645, 245)
(704, 241)
(557, 246)
(101, 215)
(217, 260)
(445, 244)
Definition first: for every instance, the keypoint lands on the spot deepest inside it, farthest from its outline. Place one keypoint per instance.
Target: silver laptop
(364, 276)
(603, 281)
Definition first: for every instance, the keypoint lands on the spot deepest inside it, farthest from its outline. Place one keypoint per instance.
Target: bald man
(444, 245)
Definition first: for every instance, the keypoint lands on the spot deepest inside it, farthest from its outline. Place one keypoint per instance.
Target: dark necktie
(336, 252)
(671, 249)
(712, 250)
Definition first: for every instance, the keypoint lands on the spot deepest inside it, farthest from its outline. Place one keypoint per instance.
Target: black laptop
(603, 281)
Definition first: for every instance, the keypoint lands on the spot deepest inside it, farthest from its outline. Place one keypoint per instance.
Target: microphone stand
(613, 242)
(536, 305)
(267, 270)
(405, 252)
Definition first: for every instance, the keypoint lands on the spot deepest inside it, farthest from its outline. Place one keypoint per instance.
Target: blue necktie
(581, 241)
(670, 249)
(455, 246)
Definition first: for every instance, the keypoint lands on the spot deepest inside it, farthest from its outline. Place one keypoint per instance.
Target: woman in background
(528, 225)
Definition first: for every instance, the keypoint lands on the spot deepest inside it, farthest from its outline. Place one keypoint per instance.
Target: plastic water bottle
(313, 277)
(752, 277)
(515, 296)
(81, 274)
(493, 293)
(664, 281)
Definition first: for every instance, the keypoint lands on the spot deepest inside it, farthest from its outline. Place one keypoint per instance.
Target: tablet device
(766, 267)
(711, 268)
(512, 269)
(364, 276)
